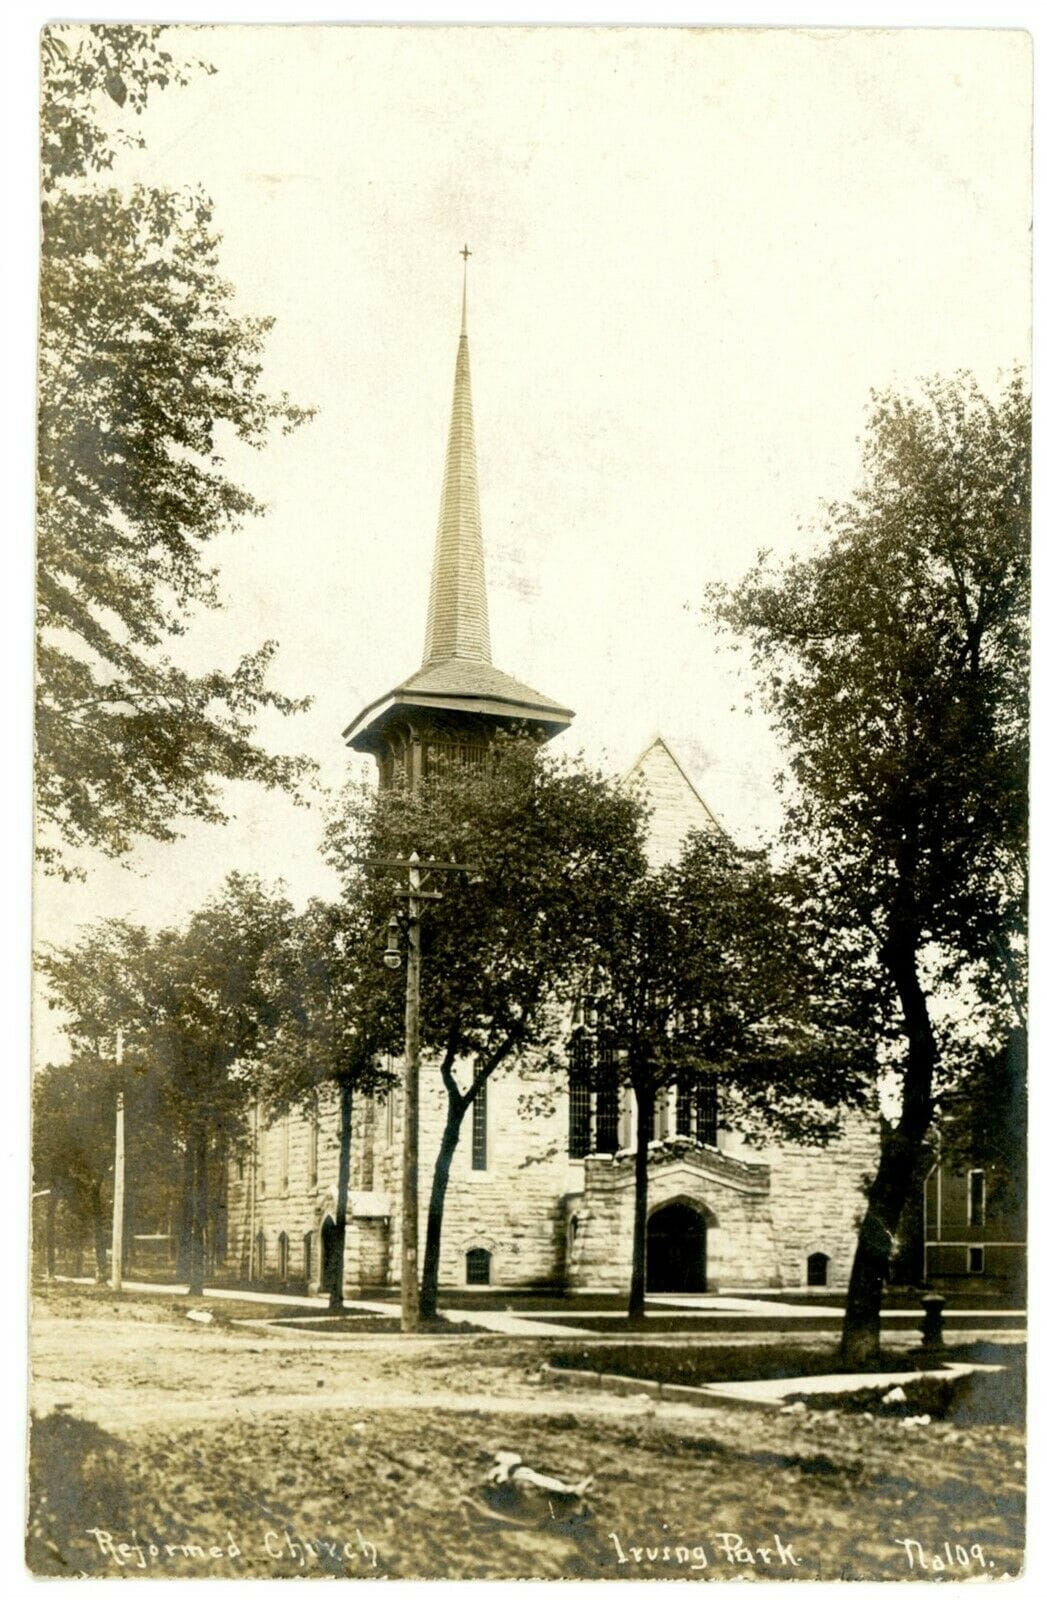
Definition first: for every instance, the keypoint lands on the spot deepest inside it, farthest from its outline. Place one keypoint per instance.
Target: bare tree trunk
(336, 1293)
(638, 1281)
(199, 1224)
(899, 1159)
(185, 1211)
(101, 1241)
(456, 1109)
(49, 1235)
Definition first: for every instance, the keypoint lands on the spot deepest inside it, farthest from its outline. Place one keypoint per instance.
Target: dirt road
(171, 1448)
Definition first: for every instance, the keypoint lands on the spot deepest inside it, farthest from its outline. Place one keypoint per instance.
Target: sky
(695, 253)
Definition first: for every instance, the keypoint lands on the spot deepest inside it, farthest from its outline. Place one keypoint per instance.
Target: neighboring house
(974, 1228)
(539, 1199)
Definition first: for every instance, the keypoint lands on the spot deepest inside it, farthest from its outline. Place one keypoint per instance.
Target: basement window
(817, 1270)
(478, 1266)
(975, 1258)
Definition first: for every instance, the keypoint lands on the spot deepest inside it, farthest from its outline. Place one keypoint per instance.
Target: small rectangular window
(975, 1258)
(976, 1198)
(480, 1128)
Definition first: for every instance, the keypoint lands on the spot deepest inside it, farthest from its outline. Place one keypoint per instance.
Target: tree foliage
(325, 1033)
(548, 843)
(707, 972)
(195, 1007)
(146, 372)
(895, 663)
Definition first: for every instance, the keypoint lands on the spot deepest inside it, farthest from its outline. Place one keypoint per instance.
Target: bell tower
(454, 704)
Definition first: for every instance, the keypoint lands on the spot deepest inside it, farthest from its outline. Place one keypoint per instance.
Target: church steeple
(457, 623)
(458, 699)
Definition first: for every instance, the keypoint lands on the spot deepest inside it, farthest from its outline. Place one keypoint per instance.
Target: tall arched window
(579, 1096)
(283, 1257)
(314, 1143)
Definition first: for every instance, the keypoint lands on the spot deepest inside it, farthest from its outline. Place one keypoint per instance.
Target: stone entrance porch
(708, 1222)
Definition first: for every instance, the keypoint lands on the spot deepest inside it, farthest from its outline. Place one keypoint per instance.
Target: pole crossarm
(420, 863)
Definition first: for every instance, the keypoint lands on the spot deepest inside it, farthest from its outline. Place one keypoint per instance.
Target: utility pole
(412, 1051)
(415, 894)
(117, 1275)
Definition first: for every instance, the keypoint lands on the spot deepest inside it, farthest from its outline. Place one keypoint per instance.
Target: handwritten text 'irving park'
(729, 1548)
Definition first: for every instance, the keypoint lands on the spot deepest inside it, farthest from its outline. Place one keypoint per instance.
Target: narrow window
(480, 1127)
(579, 1111)
(685, 1110)
(367, 1126)
(607, 1102)
(706, 1111)
(975, 1258)
(314, 1144)
(259, 1254)
(283, 1257)
(817, 1270)
(307, 1258)
(478, 1266)
(976, 1198)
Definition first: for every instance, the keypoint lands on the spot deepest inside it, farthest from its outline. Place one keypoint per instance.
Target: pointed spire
(457, 624)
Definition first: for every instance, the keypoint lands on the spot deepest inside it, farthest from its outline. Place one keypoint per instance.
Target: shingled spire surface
(457, 624)
(457, 687)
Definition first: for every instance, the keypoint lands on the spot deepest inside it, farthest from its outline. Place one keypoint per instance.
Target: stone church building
(536, 1201)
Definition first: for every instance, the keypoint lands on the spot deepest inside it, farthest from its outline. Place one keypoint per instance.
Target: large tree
(73, 1152)
(147, 370)
(550, 844)
(195, 1008)
(894, 663)
(707, 976)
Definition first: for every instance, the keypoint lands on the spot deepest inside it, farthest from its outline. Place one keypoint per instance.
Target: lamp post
(415, 894)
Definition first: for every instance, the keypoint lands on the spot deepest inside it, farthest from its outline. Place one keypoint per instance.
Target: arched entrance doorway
(327, 1255)
(676, 1250)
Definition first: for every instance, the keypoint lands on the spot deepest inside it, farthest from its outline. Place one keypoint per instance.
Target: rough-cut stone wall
(296, 1210)
(543, 1217)
(513, 1207)
(732, 1196)
(818, 1199)
(676, 805)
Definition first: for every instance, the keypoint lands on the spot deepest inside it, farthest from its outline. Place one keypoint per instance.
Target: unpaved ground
(221, 1450)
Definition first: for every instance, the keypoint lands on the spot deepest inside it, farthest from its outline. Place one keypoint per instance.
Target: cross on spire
(465, 253)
